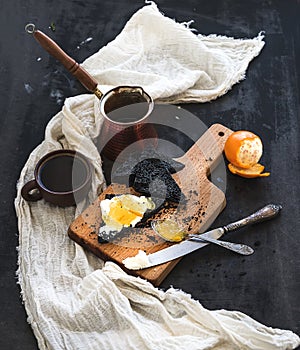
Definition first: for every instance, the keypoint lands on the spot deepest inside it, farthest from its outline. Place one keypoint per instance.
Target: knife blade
(180, 249)
(183, 248)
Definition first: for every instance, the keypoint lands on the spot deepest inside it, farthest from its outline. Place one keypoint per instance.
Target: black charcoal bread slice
(149, 173)
(125, 170)
(153, 179)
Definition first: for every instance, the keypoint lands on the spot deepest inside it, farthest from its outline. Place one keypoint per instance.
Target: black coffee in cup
(62, 174)
(61, 177)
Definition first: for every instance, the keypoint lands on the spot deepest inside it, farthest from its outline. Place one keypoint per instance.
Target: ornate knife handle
(265, 213)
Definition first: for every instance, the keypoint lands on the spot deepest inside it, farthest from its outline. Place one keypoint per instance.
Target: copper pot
(125, 108)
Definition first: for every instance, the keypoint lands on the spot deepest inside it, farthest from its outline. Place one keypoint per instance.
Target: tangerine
(243, 149)
(255, 171)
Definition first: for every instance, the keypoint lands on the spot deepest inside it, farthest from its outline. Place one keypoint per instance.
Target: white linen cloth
(73, 299)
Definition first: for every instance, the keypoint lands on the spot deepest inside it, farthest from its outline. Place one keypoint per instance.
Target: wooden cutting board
(204, 201)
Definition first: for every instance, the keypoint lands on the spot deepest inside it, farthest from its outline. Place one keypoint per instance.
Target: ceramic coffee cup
(61, 177)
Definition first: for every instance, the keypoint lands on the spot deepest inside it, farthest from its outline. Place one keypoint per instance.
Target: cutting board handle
(210, 146)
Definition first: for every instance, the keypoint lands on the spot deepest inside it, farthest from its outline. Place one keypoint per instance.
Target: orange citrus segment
(243, 149)
(255, 171)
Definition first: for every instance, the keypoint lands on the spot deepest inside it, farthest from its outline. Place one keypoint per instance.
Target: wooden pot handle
(69, 63)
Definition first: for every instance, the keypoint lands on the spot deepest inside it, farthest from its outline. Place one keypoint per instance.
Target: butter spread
(140, 261)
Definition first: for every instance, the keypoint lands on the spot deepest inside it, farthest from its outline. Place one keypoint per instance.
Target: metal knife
(188, 246)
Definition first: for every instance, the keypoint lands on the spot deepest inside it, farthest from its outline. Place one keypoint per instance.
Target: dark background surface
(33, 87)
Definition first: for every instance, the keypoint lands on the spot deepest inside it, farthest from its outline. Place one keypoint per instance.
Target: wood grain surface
(203, 202)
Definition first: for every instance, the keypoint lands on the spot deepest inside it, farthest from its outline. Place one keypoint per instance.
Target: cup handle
(28, 194)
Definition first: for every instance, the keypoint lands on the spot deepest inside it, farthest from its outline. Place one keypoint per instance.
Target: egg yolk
(122, 215)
